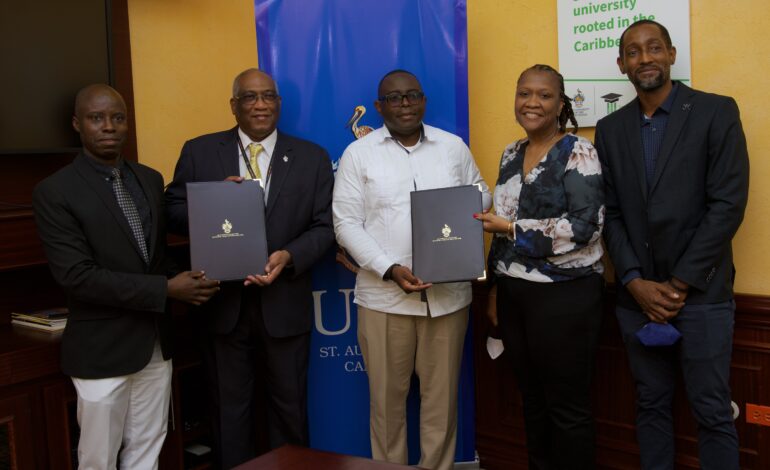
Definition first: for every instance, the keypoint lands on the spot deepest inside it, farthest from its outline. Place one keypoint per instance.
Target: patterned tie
(126, 204)
(254, 149)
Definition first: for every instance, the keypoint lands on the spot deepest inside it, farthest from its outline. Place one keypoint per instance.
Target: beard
(650, 83)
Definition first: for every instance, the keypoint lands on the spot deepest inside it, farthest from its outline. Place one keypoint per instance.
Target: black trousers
(550, 332)
(248, 364)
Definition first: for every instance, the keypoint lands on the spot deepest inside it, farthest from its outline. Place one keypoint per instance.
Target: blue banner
(327, 58)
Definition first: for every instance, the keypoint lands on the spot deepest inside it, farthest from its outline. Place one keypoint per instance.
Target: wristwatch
(389, 273)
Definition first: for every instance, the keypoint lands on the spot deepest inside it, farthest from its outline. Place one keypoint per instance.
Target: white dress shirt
(372, 213)
(263, 158)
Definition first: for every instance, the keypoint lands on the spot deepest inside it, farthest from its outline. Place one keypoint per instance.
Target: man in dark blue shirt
(676, 172)
(653, 131)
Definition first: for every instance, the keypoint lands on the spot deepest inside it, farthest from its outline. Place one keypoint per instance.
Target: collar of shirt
(131, 184)
(385, 135)
(665, 107)
(104, 170)
(268, 143)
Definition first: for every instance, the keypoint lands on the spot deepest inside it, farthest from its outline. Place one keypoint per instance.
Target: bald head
(385, 77)
(246, 75)
(91, 92)
(102, 122)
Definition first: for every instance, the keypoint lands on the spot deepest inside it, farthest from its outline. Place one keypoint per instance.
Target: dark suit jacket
(117, 302)
(685, 225)
(297, 216)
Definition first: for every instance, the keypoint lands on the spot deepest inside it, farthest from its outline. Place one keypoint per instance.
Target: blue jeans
(703, 354)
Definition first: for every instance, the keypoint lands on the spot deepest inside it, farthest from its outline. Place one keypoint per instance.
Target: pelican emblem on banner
(342, 256)
(359, 132)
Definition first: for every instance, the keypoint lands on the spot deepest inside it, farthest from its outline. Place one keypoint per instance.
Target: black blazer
(684, 226)
(297, 215)
(117, 302)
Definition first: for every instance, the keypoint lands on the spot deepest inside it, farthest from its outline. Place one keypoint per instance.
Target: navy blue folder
(447, 242)
(227, 229)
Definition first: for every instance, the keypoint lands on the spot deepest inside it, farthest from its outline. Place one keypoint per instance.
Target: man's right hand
(407, 281)
(192, 287)
(235, 179)
(659, 301)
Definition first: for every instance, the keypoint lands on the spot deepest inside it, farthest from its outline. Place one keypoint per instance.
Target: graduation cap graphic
(612, 101)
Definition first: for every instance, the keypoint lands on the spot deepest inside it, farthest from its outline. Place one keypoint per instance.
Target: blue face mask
(658, 334)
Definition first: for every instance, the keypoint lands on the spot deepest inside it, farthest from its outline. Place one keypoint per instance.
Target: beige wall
(185, 54)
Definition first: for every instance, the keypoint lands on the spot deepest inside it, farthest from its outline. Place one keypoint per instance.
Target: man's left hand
(275, 264)
(681, 288)
(407, 281)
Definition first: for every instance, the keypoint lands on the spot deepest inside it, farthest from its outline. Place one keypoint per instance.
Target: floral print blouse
(557, 210)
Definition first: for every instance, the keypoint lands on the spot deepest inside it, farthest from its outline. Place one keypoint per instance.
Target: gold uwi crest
(446, 232)
(579, 99)
(227, 227)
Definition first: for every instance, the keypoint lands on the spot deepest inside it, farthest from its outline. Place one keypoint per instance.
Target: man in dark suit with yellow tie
(267, 321)
(676, 170)
(102, 226)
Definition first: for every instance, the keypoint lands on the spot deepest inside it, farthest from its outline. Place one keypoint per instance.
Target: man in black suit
(677, 173)
(267, 320)
(102, 226)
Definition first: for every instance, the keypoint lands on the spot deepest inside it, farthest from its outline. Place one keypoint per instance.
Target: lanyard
(248, 165)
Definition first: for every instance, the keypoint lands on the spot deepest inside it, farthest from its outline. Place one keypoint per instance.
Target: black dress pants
(550, 332)
(248, 364)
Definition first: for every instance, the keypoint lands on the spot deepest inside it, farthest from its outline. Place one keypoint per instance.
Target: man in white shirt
(404, 324)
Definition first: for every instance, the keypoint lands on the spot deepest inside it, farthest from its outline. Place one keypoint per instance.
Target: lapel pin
(285, 159)
(686, 107)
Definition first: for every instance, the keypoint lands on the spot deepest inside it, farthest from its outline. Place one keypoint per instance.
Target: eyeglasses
(250, 98)
(396, 98)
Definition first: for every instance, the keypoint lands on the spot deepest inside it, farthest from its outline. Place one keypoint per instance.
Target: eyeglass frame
(395, 98)
(268, 97)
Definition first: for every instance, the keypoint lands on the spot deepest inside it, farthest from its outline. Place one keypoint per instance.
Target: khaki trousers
(393, 347)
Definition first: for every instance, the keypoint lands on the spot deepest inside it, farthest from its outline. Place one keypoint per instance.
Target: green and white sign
(589, 38)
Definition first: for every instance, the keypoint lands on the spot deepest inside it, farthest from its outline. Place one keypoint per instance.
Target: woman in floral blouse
(547, 270)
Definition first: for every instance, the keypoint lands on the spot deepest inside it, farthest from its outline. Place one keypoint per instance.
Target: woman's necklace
(534, 153)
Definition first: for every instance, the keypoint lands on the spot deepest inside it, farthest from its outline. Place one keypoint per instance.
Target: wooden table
(301, 458)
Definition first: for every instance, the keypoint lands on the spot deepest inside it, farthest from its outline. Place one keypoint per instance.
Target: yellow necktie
(254, 149)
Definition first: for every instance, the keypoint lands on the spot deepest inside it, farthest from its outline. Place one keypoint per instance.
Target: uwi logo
(318, 312)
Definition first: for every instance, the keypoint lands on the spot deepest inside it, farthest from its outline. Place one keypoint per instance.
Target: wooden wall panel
(500, 437)
(57, 399)
(19, 244)
(15, 416)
